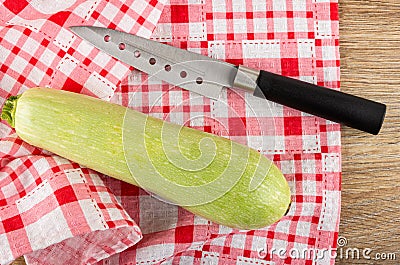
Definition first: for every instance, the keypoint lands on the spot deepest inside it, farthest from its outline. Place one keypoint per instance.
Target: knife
(208, 76)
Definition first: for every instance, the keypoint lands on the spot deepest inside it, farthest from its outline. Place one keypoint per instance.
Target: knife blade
(208, 76)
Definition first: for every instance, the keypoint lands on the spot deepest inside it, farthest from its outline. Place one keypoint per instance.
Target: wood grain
(370, 67)
(19, 261)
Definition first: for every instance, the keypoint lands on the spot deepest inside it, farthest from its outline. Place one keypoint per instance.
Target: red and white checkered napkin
(293, 38)
(56, 212)
(37, 49)
(51, 210)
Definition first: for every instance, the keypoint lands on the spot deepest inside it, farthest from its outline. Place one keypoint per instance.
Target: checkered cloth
(55, 212)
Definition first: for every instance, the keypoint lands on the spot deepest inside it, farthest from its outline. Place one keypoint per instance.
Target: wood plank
(370, 67)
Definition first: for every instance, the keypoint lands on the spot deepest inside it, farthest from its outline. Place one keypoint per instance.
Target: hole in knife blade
(107, 38)
(136, 54)
(167, 67)
(199, 80)
(183, 74)
(152, 61)
(121, 46)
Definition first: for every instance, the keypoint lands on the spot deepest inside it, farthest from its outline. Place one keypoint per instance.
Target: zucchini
(211, 176)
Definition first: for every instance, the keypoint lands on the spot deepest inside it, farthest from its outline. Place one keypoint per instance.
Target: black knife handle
(353, 111)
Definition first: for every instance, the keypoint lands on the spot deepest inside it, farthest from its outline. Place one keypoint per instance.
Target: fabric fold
(54, 211)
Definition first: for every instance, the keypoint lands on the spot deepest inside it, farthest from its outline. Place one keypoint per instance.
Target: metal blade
(188, 70)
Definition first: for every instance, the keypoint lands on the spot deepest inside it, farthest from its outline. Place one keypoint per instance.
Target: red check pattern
(49, 204)
(293, 38)
(51, 210)
(38, 49)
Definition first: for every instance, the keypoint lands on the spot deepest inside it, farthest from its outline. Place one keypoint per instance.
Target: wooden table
(370, 54)
(370, 67)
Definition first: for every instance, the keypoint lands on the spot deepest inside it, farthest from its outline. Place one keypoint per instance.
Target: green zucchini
(211, 176)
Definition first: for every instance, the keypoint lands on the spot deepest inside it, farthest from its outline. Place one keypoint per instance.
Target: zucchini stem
(8, 112)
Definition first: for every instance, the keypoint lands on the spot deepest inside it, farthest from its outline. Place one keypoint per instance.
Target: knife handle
(353, 111)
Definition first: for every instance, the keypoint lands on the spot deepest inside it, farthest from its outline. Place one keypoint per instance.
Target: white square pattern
(300, 24)
(30, 46)
(239, 6)
(308, 166)
(162, 31)
(197, 31)
(36, 75)
(218, 6)
(280, 24)
(260, 25)
(35, 197)
(239, 25)
(306, 48)
(309, 187)
(308, 209)
(64, 39)
(56, 229)
(154, 252)
(261, 50)
(279, 5)
(303, 228)
(100, 86)
(92, 213)
(330, 211)
(238, 241)
(153, 220)
(323, 28)
(258, 107)
(259, 244)
(220, 26)
(331, 163)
